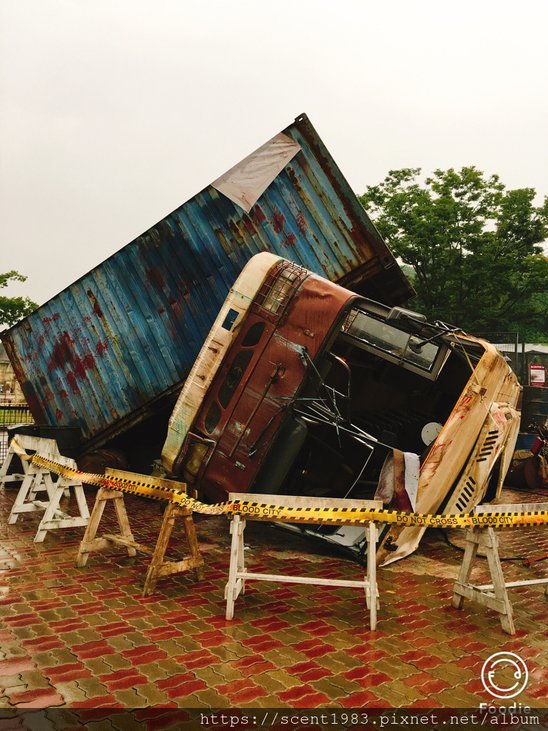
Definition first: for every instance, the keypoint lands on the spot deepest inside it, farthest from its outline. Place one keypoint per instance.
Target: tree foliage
(474, 247)
(13, 309)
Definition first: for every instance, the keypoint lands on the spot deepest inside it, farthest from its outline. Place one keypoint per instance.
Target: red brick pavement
(86, 639)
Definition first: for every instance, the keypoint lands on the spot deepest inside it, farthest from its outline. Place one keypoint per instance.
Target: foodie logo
(504, 675)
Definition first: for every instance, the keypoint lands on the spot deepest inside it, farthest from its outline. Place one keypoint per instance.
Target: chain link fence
(11, 414)
(520, 355)
(510, 345)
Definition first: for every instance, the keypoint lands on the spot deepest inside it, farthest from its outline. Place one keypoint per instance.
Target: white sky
(114, 112)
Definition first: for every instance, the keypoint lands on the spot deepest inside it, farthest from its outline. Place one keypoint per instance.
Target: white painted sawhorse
(238, 574)
(38, 480)
(5, 474)
(493, 596)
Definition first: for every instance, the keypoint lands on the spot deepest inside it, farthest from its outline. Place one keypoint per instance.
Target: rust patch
(81, 365)
(62, 351)
(15, 362)
(71, 378)
(63, 355)
(293, 177)
(301, 223)
(289, 240)
(278, 221)
(100, 348)
(33, 401)
(156, 278)
(258, 214)
(248, 225)
(96, 306)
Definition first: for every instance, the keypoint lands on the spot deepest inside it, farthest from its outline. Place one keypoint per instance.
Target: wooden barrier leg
(81, 501)
(158, 566)
(371, 591)
(490, 541)
(470, 552)
(15, 476)
(52, 509)
(497, 599)
(241, 557)
(6, 465)
(49, 484)
(123, 521)
(27, 498)
(89, 542)
(237, 526)
(19, 502)
(168, 523)
(54, 516)
(192, 540)
(91, 528)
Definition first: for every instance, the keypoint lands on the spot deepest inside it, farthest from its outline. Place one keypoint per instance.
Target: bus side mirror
(399, 313)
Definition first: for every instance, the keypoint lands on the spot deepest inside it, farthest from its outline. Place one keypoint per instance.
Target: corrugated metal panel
(100, 353)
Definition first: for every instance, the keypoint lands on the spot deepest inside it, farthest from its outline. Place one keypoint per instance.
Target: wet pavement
(85, 638)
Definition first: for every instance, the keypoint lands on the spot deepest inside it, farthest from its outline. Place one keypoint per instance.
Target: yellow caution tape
(268, 512)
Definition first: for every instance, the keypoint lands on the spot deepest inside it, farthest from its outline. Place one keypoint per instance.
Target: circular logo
(504, 675)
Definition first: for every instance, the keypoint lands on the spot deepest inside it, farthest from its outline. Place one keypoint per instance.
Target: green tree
(13, 309)
(474, 247)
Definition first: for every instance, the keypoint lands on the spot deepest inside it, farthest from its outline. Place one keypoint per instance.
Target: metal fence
(11, 414)
(509, 344)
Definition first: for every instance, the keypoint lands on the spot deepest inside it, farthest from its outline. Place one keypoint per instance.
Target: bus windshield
(382, 336)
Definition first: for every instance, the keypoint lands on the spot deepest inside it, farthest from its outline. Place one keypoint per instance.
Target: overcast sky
(114, 112)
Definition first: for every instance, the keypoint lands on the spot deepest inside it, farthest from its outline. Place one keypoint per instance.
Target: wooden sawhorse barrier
(238, 574)
(159, 566)
(38, 480)
(495, 595)
(5, 474)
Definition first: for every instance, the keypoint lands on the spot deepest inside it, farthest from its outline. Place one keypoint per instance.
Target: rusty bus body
(306, 388)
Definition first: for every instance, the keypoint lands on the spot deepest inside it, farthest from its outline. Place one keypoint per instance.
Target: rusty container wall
(105, 352)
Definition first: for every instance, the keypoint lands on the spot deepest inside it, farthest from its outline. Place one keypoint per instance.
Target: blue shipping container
(107, 351)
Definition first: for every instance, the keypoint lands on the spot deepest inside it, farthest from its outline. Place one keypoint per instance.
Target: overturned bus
(303, 387)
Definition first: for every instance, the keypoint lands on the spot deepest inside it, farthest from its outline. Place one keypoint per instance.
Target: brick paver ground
(86, 639)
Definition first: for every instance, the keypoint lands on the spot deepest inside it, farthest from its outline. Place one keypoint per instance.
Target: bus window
(253, 335)
(212, 417)
(402, 346)
(234, 376)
